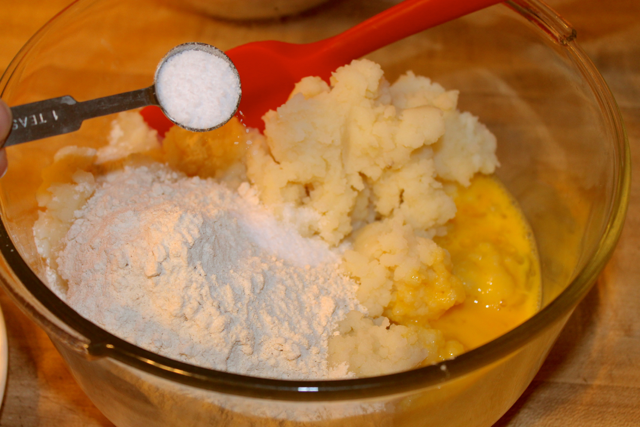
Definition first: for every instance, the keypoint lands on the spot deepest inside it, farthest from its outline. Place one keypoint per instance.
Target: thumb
(5, 127)
(5, 120)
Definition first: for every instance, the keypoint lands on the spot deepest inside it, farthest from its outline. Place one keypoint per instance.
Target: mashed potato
(363, 149)
(371, 160)
(371, 168)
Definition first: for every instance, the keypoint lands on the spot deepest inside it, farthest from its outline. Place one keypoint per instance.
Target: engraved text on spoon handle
(57, 116)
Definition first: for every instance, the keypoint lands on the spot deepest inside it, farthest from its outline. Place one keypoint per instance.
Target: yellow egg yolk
(493, 253)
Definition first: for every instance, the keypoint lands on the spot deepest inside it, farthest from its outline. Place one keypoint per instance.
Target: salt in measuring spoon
(184, 99)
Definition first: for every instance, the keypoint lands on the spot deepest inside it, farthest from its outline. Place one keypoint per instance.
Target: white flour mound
(182, 267)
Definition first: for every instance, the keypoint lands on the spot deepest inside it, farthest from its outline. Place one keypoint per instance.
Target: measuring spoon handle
(61, 115)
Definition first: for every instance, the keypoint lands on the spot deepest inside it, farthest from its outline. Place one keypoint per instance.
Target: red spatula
(270, 69)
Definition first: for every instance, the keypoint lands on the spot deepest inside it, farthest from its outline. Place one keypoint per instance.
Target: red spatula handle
(402, 20)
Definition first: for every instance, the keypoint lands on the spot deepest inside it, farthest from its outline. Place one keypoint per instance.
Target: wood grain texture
(592, 376)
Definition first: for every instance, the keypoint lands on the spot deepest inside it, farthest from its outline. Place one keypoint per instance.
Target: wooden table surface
(592, 376)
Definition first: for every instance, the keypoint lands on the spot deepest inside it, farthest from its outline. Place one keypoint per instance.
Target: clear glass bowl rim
(101, 343)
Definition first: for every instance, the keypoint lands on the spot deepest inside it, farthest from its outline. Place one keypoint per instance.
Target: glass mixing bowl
(563, 156)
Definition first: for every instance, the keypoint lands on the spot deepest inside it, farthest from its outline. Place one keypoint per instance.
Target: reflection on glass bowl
(563, 156)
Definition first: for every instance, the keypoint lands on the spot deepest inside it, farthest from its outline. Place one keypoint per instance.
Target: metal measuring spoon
(62, 115)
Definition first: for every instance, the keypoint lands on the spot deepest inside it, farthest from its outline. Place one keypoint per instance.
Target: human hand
(5, 127)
